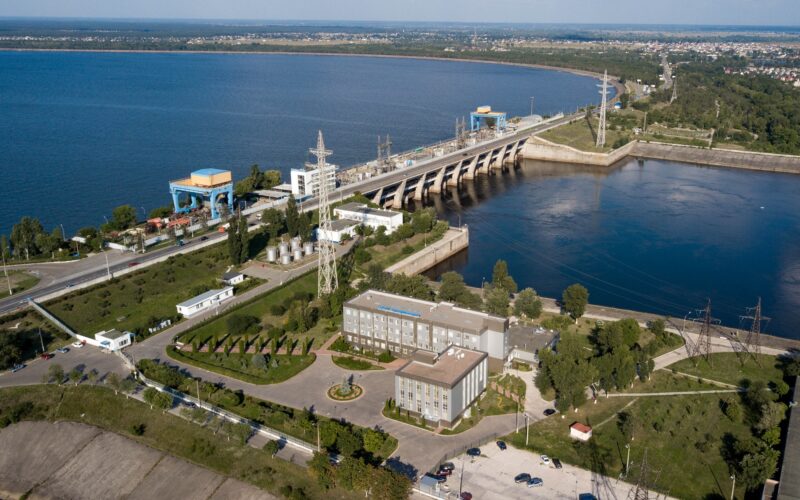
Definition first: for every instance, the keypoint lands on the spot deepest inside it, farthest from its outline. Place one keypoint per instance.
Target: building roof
(445, 369)
(112, 334)
(789, 485)
(442, 313)
(210, 171)
(581, 427)
(231, 274)
(204, 296)
(342, 224)
(530, 339)
(366, 210)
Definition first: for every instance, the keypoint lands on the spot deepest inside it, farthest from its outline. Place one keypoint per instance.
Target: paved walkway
(673, 393)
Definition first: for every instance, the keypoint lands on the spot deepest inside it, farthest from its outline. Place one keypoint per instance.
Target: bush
(407, 250)
(386, 357)
(239, 324)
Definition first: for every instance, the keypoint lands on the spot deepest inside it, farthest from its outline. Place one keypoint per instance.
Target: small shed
(113, 340)
(232, 278)
(580, 431)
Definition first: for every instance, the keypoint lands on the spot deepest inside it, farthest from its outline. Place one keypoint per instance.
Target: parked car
(444, 472)
(203, 238)
(437, 477)
(46, 355)
(17, 368)
(466, 495)
(69, 285)
(522, 478)
(474, 452)
(556, 463)
(63, 350)
(535, 482)
(132, 264)
(447, 466)
(77, 344)
(502, 445)
(545, 459)
(549, 412)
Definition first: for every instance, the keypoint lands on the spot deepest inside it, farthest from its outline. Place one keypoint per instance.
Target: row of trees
(257, 179)
(291, 222)
(238, 239)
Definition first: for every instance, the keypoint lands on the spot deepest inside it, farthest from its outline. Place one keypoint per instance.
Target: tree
(56, 373)
(114, 381)
(234, 242)
(574, 299)
(127, 385)
(274, 220)
(244, 239)
(625, 424)
(422, 221)
(732, 408)
(75, 376)
(123, 217)
(497, 301)
(348, 442)
(528, 304)
(321, 467)
(161, 212)
(373, 440)
(453, 289)
(155, 398)
(756, 468)
(292, 216)
(772, 414)
(411, 286)
(501, 278)
(23, 236)
(570, 373)
(304, 227)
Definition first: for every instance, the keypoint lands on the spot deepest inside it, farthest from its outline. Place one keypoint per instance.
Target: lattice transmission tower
(642, 489)
(703, 344)
(674, 90)
(601, 130)
(753, 341)
(327, 279)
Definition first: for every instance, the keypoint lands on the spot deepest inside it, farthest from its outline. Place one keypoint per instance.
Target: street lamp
(532, 98)
(628, 461)
(733, 486)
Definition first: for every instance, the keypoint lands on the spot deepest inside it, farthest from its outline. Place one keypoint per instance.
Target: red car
(133, 264)
(46, 356)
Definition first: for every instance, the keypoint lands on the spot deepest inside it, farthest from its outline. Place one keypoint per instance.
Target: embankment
(541, 149)
(454, 240)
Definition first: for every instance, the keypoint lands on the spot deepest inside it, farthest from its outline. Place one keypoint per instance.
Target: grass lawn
(681, 433)
(351, 363)
(492, 403)
(100, 407)
(664, 381)
(20, 281)
(240, 366)
(25, 326)
(136, 300)
(387, 255)
(727, 367)
(581, 135)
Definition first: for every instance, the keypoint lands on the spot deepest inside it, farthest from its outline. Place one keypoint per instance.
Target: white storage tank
(296, 243)
(298, 254)
(286, 259)
(308, 248)
(284, 248)
(272, 254)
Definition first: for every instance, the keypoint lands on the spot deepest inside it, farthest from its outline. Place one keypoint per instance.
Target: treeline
(758, 112)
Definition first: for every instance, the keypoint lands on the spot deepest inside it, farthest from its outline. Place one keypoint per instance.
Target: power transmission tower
(601, 130)
(703, 344)
(753, 342)
(384, 150)
(461, 132)
(327, 279)
(642, 489)
(674, 90)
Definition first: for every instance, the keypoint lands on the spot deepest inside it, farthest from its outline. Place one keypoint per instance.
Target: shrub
(386, 357)
(239, 324)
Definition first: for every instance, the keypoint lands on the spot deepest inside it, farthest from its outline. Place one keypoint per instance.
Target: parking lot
(491, 476)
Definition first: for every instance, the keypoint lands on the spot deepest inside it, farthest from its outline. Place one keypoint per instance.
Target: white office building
(378, 321)
(113, 340)
(367, 216)
(306, 181)
(204, 301)
(440, 387)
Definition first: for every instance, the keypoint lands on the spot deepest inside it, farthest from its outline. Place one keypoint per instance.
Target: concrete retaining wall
(453, 241)
(541, 149)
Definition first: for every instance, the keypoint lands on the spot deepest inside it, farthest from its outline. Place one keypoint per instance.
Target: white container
(308, 248)
(272, 254)
(286, 259)
(298, 254)
(284, 249)
(296, 243)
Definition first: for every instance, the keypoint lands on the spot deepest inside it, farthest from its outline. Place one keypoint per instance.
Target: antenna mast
(327, 279)
(601, 130)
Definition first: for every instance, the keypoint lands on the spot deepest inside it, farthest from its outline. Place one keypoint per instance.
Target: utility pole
(327, 279)
(628, 460)
(108, 268)
(5, 271)
(733, 486)
(527, 429)
(601, 129)
(532, 98)
(41, 339)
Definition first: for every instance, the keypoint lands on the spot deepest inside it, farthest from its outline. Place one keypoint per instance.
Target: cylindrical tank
(296, 242)
(272, 254)
(298, 254)
(286, 259)
(284, 248)
(308, 248)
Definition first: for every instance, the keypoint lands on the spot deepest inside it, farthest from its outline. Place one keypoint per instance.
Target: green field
(241, 366)
(680, 433)
(491, 403)
(20, 281)
(582, 135)
(729, 368)
(99, 406)
(138, 300)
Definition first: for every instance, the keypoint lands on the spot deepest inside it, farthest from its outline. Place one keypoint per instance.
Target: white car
(545, 459)
(77, 345)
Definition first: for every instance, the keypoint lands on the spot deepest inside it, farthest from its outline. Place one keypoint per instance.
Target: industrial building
(484, 116)
(306, 181)
(440, 387)
(206, 187)
(378, 321)
(371, 217)
(339, 228)
(204, 301)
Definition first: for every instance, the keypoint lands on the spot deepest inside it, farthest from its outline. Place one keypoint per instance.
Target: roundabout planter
(340, 392)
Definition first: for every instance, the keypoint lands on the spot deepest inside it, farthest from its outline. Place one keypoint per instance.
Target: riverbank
(544, 150)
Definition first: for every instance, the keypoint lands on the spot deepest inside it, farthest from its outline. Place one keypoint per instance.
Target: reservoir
(658, 236)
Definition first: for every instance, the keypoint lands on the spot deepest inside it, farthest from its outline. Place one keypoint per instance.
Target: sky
(717, 12)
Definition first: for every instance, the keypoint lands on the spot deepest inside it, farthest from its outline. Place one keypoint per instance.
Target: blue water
(81, 133)
(659, 237)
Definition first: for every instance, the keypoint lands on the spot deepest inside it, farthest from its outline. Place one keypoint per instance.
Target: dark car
(444, 472)
(447, 466)
(522, 478)
(437, 477)
(474, 452)
(556, 463)
(502, 445)
(133, 264)
(46, 356)
(17, 368)
(204, 238)
(62, 350)
(549, 412)
(466, 495)
(535, 482)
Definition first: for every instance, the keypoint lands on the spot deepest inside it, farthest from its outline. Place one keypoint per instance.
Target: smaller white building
(113, 340)
(232, 278)
(339, 228)
(204, 301)
(372, 217)
(580, 431)
(306, 181)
